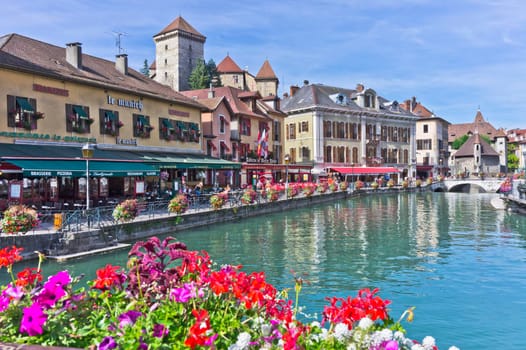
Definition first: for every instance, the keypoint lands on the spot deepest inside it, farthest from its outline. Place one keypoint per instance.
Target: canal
(451, 255)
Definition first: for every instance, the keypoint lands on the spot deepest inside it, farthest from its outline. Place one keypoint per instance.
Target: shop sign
(47, 137)
(178, 113)
(50, 90)
(121, 102)
(132, 142)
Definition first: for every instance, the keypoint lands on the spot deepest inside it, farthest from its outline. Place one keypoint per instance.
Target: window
(426, 128)
(292, 131)
(304, 126)
(245, 126)
(423, 144)
(369, 101)
(78, 119)
(305, 153)
(166, 129)
(327, 129)
(277, 131)
(328, 154)
(22, 112)
(109, 122)
(222, 124)
(236, 79)
(141, 126)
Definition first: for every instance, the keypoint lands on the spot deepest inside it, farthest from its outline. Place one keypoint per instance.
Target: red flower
(200, 330)
(108, 277)
(28, 276)
(9, 255)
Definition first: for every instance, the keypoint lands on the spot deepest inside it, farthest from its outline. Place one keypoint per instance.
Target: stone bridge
(469, 185)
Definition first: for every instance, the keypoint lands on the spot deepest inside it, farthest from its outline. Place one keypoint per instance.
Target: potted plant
(322, 187)
(19, 219)
(358, 184)
(308, 189)
(292, 191)
(178, 204)
(217, 201)
(344, 185)
(375, 185)
(390, 183)
(249, 196)
(418, 183)
(405, 184)
(126, 211)
(272, 194)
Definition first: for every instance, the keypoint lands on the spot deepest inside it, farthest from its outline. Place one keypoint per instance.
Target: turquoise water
(452, 256)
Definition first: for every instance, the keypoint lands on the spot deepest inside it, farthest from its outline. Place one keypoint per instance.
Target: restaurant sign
(47, 137)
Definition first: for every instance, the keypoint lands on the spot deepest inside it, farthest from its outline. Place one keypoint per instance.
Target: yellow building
(57, 96)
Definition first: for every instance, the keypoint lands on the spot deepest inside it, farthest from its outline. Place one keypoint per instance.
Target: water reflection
(449, 254)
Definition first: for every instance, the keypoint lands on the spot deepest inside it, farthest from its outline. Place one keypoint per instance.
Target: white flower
(341, 331)
(243, 342)
(453, 348)
(417, 347)
(351, 347)
(266, 329)
(365, 323)
(428, 342)
(315, 324)
(398, 336)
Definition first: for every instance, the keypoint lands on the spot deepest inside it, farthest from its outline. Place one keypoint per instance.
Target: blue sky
(455, 56)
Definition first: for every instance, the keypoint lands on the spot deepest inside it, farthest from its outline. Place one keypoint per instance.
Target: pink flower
(33, 320)
(128, 318)
(61, 278)
(49, 296)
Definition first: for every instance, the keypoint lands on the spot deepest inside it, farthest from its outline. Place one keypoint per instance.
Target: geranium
(272, 193)
(390, 183)
(344, 185)
(126, 211)
(172, 298)
(308, 189)
(249, 196)
(322, 187)
(178, 204)
(292, 190)
(358, 184)
(19, 218)
(217, 201)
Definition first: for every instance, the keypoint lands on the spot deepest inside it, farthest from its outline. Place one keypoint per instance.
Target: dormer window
(369, 101)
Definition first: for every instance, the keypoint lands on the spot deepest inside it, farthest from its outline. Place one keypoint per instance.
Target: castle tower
(178, 48)
(266, 80)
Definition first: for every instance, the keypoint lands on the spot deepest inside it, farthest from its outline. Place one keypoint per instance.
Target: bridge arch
(467, 188)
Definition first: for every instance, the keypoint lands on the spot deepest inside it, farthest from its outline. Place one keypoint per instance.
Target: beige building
(350, 131)
(59, 96)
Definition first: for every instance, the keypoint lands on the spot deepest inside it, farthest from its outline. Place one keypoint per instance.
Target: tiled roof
(467, 148)
(180, 24)
(479, 125)
(29, 55)
(232, 96)
(227, 65)
(266, 71)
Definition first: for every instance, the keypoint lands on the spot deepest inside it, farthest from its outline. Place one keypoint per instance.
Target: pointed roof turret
(227, 65)
(479, 118)
(266, 71)
(180, 24)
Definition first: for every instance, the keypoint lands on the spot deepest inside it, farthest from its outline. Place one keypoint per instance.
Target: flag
(261, 140)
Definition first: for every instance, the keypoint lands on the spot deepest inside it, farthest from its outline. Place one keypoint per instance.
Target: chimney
(305, 82)
(359, 87)
(413, 103)
(211, 93)
(74, 54)
(293, 90)
(285, 95)
(121, 63)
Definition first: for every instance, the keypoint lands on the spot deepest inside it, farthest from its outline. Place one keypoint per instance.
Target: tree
(204, 74)
(459, 141)
(145, 70)
(199, 78)
(513, 160)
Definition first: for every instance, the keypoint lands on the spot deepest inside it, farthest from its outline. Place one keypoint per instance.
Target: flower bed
(172, 298)
(19, 219)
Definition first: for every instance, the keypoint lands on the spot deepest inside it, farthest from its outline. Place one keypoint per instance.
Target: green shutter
(24, 104)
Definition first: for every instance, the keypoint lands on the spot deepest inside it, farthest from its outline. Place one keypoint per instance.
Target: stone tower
(266, 80)
(178, 48)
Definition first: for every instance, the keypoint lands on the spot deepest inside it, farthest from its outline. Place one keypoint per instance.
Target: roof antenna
(118, 36)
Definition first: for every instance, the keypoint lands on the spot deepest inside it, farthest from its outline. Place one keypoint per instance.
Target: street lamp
(87, 153)
(286, 158)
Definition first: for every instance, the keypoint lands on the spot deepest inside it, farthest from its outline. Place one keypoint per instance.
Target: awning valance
(142, 119)
(168, 124)
(366, 170)
(110, 115)
(80, 112)
(77, 168)
(24, 104)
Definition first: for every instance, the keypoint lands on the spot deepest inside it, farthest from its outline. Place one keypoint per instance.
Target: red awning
(211, 144)
(366, 170)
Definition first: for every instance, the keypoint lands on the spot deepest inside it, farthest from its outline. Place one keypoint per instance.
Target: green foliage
(204, 74)
(145, 70)
(513, 161)
(459, 141)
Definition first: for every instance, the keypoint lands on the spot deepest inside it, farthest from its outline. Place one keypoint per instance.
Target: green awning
(181, 125)
(77, 168)
(110, 115)
(168, 124)
(194, 126)
(142, 119)
(24, 104)
(190, 162)
(80, 112)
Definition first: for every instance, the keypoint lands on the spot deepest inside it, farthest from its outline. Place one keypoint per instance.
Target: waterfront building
(497, 140)
(431, 140)
(56, 99)
(477, 157)
(349, 131)
(517, 145)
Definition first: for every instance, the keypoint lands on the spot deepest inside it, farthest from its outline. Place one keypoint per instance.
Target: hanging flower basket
(375, 185)
(249, 196)
(405, 184)
(344, 186)
(19, 219)
(418, 183)
(322, 187)
(308, 189)
(39, 115)
(217, 201)
(359, 184)
(292, 191)
(126, 211)
(178, 204)
(390, 183)
(272, 194)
